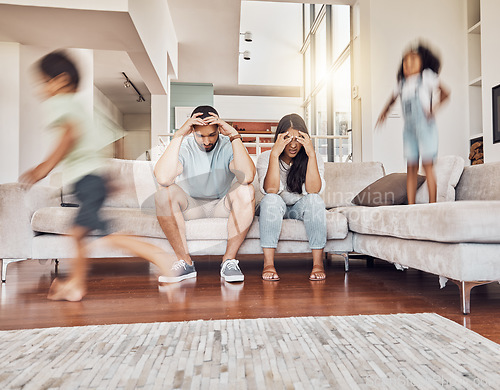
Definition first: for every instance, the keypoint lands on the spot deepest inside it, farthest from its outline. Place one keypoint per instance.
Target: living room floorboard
(126, 291)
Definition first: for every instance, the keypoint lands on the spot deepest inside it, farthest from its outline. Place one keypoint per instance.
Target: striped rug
(424, 351)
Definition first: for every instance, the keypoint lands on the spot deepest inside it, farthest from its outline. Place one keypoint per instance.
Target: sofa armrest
(16, 208)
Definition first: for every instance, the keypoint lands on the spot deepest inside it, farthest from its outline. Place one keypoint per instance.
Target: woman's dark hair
(297, 173)
(57, 63)
(429, 60)
(205, 111)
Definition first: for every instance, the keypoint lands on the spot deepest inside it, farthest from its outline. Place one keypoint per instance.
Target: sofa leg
(345, 255)
(56, 265)
(465, 288)
(5, 263)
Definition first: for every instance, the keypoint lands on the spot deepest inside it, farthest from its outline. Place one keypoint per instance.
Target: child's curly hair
(57, 63)
(429, 60)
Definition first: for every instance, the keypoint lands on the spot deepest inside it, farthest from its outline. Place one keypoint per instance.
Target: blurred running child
(77, 150)
(418, 83)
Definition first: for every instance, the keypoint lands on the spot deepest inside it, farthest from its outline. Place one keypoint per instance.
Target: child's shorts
(420, 143)
(91, 192)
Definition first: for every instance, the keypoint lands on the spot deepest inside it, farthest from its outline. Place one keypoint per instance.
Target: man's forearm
(243, 162)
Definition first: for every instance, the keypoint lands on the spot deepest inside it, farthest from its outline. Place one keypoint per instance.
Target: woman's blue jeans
(310, 209)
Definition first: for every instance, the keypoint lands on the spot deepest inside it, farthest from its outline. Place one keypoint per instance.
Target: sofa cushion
(461, 221)
(448, 170)
(137, 222)
(345, 180)
(132, 184)
(479, 182)
(386, 191)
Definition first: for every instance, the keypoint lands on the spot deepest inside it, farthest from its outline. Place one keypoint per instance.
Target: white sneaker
(181, 270)
(230, 271)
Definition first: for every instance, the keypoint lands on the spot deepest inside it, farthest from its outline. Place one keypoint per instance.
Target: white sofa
(456, 240)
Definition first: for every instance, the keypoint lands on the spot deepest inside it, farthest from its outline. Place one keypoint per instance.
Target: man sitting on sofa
(196, 177)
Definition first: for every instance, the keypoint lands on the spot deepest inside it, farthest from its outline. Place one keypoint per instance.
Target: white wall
(277, 38)
(387, 27)
(137, 136)
(34, 146)
(490, 68)
(160, 122)
(9, 111)
(257, 108)
(154, 24)
(107, 108)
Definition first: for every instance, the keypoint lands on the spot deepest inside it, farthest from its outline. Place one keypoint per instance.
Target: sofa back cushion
(480, 182)
(133, 184)
(345, 180)
(448, 170)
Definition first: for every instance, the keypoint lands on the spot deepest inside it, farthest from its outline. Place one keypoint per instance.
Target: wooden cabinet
(256, 133)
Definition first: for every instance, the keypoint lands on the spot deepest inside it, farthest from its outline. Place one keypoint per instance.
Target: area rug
(424, 351)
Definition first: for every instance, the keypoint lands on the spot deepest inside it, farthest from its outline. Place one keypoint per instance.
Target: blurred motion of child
(418, 82)
(78, 151)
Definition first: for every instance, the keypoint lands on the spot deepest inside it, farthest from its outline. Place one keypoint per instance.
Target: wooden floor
(126, 291)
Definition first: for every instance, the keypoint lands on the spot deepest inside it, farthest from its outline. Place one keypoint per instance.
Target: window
(327, 78)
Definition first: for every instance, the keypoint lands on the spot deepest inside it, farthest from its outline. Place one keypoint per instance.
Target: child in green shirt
(77, 150)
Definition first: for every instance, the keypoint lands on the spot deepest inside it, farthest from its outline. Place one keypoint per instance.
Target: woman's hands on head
(306, 142)
(279, 145)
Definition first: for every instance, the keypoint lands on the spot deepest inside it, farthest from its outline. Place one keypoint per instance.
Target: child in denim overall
(417, 83)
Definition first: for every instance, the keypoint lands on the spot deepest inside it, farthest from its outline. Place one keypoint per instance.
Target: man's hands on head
(224, 127)
(188, 127)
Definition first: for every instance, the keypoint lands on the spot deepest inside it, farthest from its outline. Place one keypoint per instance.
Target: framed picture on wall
(496, 114)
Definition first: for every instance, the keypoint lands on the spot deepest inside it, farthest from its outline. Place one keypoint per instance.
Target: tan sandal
(315, 272)
(269, 269)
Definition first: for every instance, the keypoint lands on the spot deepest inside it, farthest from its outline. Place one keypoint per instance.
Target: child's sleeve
(430, 80)
(59, 113)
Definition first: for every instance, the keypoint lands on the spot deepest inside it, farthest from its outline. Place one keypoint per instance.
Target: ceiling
(48, 28)
(208, 36)
(108, 78)
(209, 44)
(207, 32)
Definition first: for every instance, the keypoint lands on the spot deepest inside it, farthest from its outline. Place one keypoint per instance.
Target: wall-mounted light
(248, 36)
(246, 54)
(127, 84)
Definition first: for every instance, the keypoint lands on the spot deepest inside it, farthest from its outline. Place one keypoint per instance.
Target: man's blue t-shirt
(205, 175)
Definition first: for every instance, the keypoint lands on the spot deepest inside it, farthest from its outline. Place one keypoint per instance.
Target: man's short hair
(205, 110)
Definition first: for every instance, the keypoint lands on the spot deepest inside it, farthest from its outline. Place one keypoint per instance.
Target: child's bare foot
(68, 290)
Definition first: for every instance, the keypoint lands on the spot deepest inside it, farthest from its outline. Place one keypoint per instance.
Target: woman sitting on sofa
(291, 177)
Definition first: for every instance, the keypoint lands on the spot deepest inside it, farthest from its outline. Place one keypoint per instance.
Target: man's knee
(243, 194)
(168, 199)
